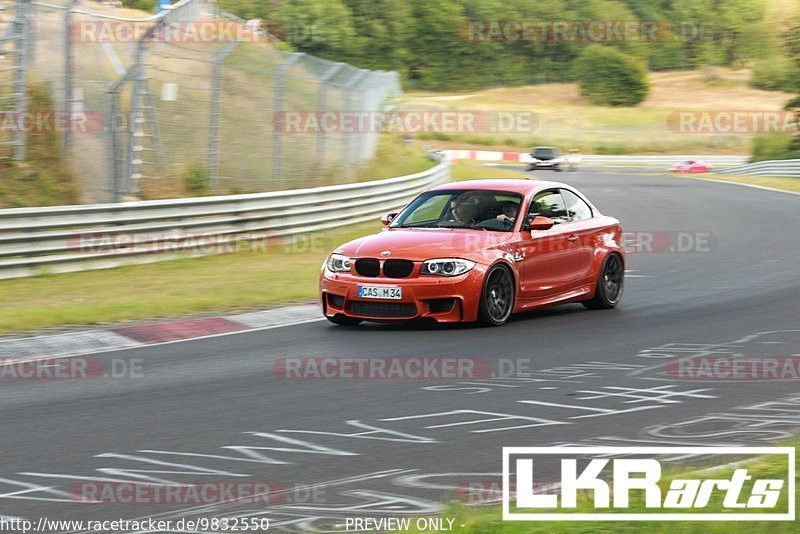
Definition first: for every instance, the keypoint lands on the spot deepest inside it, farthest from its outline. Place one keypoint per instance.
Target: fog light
(441, 305)
(336, 301)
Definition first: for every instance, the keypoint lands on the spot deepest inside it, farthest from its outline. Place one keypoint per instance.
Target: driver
(465, 210)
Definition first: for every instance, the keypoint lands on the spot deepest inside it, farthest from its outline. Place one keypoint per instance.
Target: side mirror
(386, 219)
(541, 223)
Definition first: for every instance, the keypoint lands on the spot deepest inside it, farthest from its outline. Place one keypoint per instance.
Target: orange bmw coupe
(478, 251)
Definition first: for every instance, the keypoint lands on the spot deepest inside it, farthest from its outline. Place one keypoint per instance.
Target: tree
(609, 77)
(433, 47)
(382, 31)
(793, 107)
(320, 27)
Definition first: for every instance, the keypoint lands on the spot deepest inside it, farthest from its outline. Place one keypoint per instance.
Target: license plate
(380, 292)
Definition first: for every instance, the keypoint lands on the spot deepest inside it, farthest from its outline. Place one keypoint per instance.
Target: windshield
(543, 152)
(464, 208)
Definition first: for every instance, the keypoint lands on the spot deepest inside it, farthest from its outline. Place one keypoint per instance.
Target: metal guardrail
(785, 167)
(600, 159)
(95, 236)
(661, 160)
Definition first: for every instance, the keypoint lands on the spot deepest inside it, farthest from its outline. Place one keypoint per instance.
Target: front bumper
(545, 163)
(443, 299)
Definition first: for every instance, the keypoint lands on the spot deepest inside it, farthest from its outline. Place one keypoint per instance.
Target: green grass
(39, 184)
(470, 170)
(275, 274)
(568, 120)
(489, 520)
(394, 158)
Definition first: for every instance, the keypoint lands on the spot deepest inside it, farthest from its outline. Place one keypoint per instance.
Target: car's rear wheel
(610, 284)
(497, 297)
(344, 320)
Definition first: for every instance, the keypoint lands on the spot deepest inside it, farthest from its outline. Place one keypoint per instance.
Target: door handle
(572, 238)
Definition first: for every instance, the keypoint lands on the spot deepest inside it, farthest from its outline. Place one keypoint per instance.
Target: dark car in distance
(545, 157)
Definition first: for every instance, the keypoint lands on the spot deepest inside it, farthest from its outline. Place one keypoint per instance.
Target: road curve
(721, 277)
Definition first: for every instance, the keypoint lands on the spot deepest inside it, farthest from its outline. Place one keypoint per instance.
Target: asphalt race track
(716, 274)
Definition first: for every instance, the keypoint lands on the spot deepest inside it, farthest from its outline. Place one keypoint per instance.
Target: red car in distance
(478, 251)
(691, 166)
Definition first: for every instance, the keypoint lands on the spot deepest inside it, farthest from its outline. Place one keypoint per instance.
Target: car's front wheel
(497, 297)
(344, 320)
(610, 284)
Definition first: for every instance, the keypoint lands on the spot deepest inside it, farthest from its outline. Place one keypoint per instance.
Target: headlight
(338, 263)
(447, 266)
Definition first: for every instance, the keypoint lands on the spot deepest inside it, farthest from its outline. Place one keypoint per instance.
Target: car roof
(500, 184)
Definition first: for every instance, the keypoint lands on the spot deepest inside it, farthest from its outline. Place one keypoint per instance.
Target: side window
(549, 204)
(578, 209)
(428, 211)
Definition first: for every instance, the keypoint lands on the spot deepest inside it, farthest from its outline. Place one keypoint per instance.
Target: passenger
(509, 213)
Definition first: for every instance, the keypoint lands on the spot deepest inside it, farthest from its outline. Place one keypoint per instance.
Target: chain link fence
(189, 98)
(15, 23)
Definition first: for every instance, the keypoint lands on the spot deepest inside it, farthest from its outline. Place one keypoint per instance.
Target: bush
(44, 178)
(776, 74)
(197, 180)
(668, 56)
(779, 145)
(609, 77)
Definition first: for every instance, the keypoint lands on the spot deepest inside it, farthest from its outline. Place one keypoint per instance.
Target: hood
(420, 244)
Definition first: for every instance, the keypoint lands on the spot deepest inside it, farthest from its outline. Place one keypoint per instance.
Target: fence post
(136, 72)
(213, 130)
(112, 153)
(68, 79)
(121, 170)
(277, 163)
(350, 89)
(22, 44)
(323, 86)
